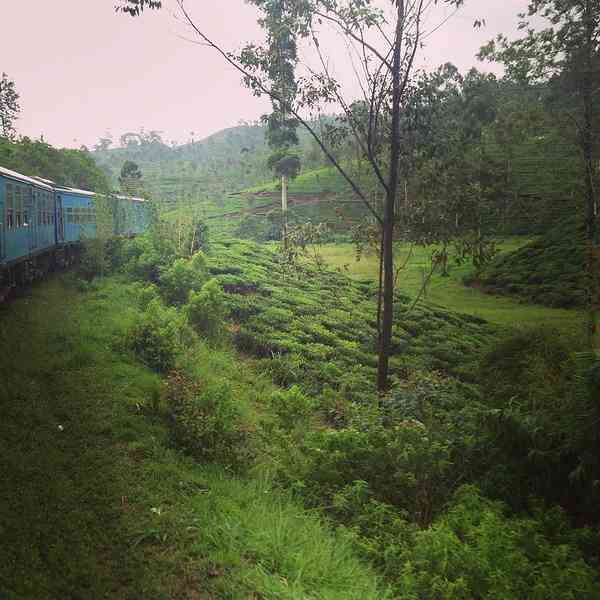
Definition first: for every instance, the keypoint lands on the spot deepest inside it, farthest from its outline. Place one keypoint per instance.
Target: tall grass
(95, 502)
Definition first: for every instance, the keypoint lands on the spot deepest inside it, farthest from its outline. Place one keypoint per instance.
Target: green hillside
(326, 320)
(225, 162)
(221, 163)
(324, 180)
(548, 270)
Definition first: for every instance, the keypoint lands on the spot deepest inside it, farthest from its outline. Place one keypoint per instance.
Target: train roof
(70, 190)
(24, 178)
(87, 193)
(134, 198)
(48, 181)
(49, 185)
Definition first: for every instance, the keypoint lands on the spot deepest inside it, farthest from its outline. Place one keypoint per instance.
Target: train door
(60, 224)
(31, 203)
(29, 217)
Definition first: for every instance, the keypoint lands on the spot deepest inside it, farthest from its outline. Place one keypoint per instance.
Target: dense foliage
(75, 168)
(548, 270)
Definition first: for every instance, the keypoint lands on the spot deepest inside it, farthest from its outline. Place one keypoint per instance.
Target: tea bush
(156, 336)
(206, 310)
(546, 271)
(328, 320)
(293, 408)
(542, 400)
(182, 277)
(206, 420)
(476, 551)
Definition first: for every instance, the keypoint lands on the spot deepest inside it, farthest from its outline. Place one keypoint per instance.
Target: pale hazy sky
(83, 70)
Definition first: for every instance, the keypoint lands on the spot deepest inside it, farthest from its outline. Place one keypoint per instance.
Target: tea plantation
(319, 327)
(546, 271)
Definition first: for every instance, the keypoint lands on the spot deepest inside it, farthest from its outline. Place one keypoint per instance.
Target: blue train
(42, 225)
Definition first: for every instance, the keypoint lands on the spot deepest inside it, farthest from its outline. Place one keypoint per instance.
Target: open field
(450, 292)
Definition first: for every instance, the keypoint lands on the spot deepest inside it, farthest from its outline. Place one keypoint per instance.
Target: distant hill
(225, 162)
(546, 271)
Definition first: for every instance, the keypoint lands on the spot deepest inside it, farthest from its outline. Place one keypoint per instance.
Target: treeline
(68, 167)
(481, 156)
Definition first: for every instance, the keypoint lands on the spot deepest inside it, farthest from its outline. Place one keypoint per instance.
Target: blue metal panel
(41, 220)
(78, 211)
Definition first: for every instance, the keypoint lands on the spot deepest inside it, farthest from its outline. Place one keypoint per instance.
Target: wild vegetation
(544, 271)
(74, 168)
(388, 389)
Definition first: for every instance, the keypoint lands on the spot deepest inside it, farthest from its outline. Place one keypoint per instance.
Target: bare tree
(382, 49)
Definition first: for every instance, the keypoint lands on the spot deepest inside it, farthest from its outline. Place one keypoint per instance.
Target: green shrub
(402, 465)
(293, 408)
(475, 551)
(285, 369)
(182, 277)
(93, 261)
(156, 336)
(206, 310)
(147, 293)
(206, 420)
(143, 260)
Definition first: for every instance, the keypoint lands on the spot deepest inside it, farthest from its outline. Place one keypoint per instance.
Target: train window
(18, 206)
(39, 207)
(9, 206)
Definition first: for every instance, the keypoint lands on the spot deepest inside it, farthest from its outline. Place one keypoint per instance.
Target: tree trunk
(389, 213)
(588, 158)
(284, 208)
(380, 292)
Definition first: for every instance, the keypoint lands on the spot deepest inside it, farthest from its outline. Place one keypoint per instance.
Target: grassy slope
(327, 320)
(450, 292)
(318, 195)
(317, 181)
(546, 271)
(94, 501)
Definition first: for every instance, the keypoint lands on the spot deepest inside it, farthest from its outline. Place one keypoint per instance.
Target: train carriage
(42, 224)
(132, 215)
(79, 214)
(27, 217)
